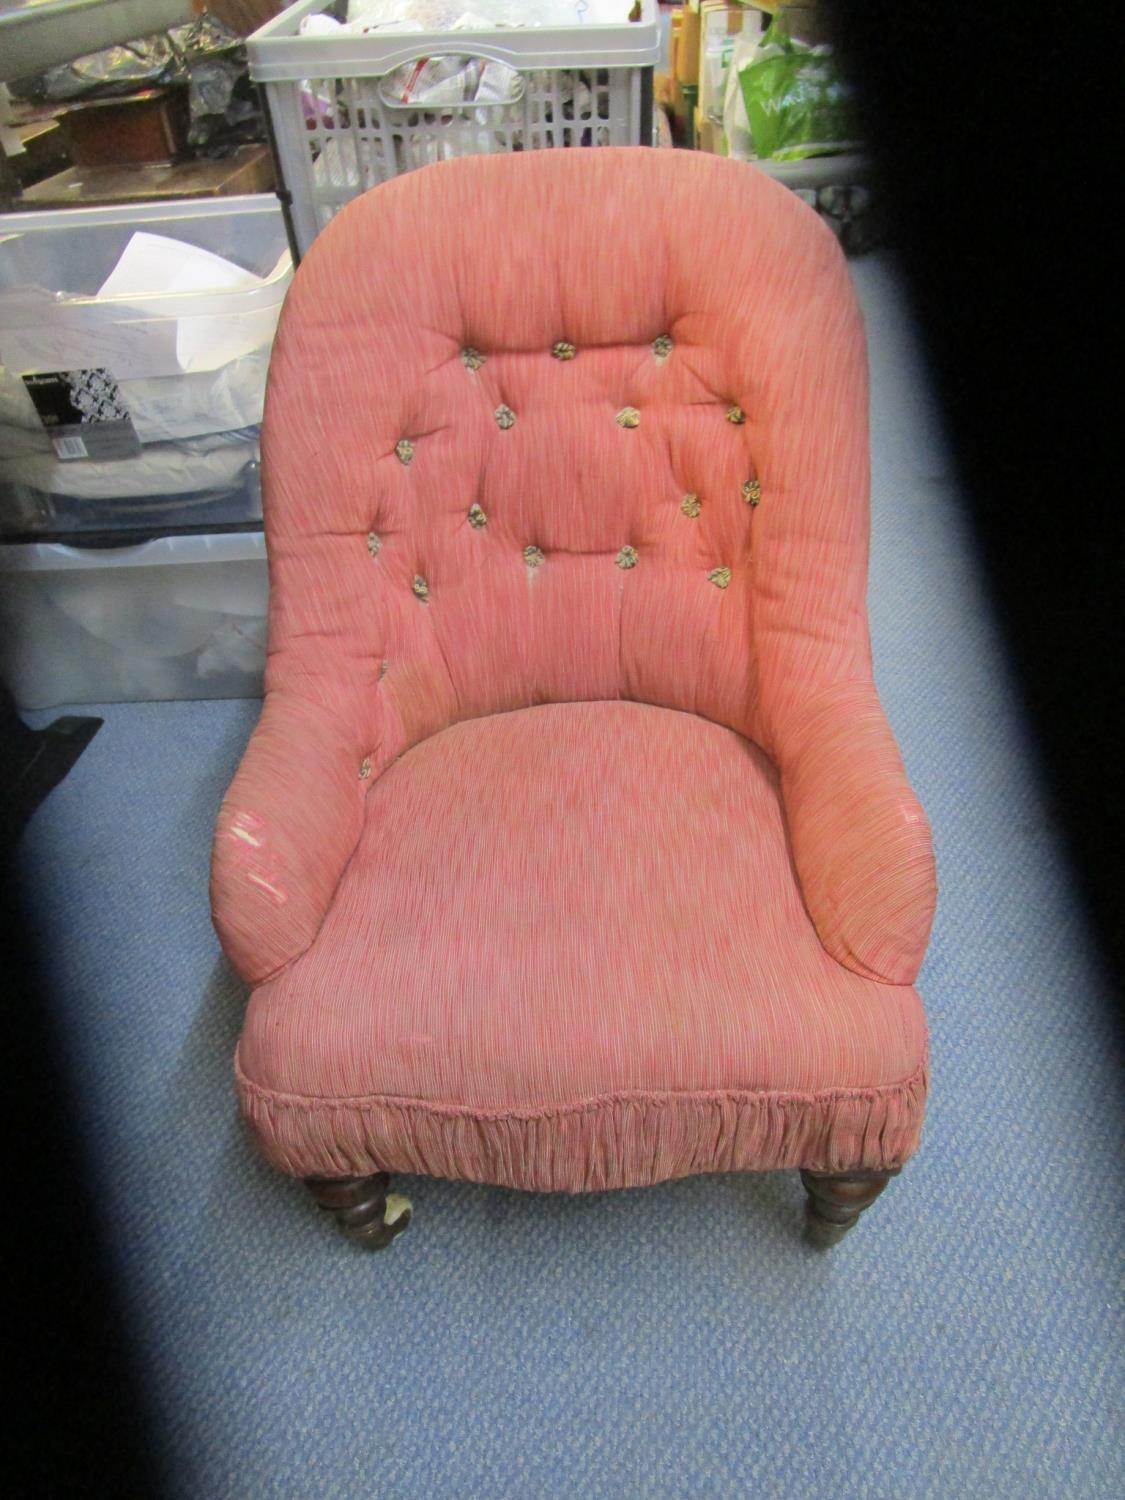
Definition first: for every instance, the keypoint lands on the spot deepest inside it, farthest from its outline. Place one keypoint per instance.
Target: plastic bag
(204, 54)
(736, 127)
(452, 80)
(117, 70)
(162, 58)
(796, 100)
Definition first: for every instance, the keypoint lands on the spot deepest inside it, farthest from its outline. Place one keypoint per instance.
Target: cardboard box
(810, 20)
(242, 16)
(248, 170)
(686, 64)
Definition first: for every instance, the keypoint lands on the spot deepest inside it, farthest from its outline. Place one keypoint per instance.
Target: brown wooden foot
(362, 1207)
(836, 1201)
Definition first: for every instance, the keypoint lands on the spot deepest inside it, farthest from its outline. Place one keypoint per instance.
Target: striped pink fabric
(566, 502)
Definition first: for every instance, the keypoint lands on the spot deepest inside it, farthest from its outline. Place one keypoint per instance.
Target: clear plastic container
(178, 617)
(172, 308)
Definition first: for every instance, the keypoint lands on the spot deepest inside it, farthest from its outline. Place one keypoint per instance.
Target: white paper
(154, 265)
(166, 308)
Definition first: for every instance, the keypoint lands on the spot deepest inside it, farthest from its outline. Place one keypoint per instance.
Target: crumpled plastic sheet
(204, 54)
(162, 58)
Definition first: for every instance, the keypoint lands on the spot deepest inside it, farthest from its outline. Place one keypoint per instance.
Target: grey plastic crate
(336, 133)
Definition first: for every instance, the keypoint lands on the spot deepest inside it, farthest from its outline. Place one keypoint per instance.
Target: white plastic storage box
(134, 343)
(177, 617)
(348, 110)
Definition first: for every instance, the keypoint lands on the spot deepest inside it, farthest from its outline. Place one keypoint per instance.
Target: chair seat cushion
(570, 952)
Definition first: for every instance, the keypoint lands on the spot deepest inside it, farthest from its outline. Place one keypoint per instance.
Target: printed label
(84, 414)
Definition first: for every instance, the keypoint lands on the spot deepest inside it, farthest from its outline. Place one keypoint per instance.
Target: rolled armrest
(286, 829)
(860, 839)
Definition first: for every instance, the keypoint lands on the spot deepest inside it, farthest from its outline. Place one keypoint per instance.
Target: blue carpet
(674, 1342)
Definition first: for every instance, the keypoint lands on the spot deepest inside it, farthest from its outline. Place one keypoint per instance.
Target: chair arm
(860, 840)
(287, 827)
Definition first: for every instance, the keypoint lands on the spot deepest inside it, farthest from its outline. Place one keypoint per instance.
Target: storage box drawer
(178, 617)
(134, 346)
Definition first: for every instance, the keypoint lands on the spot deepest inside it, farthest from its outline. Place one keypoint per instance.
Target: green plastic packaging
(798, 103)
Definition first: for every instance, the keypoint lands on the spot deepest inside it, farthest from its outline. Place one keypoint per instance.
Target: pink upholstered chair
(573, 849)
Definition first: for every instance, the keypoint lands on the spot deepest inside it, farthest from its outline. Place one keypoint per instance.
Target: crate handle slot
(392, 100)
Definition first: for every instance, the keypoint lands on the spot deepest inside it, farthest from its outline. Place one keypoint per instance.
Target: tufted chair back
(568, 425)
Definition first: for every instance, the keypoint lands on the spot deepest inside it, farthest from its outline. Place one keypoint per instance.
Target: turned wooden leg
(362, 1207)
(836, 1201)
